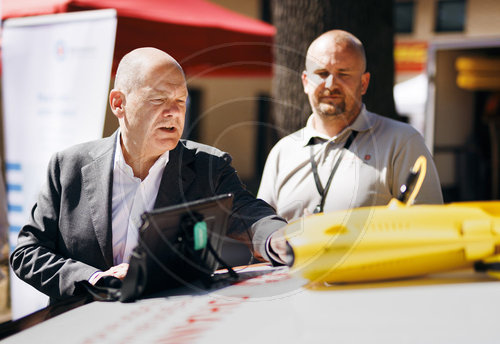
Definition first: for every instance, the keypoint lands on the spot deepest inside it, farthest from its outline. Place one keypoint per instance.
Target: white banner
(56, 72)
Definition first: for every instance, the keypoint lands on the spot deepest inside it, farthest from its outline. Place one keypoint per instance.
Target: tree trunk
(299, 22)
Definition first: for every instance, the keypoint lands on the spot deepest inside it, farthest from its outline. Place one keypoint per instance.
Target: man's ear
(365, 81)
(304, 80)
(117, 103)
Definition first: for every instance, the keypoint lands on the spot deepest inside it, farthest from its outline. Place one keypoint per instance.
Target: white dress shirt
(131, 198)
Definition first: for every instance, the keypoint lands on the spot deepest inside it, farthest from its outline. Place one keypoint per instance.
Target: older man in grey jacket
(85, 221)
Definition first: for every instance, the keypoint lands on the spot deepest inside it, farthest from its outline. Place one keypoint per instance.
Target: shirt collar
(363, 122)
(120, 162)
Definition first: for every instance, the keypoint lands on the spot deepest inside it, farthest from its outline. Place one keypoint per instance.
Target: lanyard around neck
(323, 191)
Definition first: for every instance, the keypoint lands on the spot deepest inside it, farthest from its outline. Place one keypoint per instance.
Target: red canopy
(205, 38)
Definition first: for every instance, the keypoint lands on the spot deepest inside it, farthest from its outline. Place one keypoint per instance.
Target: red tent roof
(205, 38)
(23, 8)
(198, 13)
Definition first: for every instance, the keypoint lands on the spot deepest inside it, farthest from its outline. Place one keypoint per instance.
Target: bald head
(135, 66)
(335, 80)
(149, 101)
(329, 40)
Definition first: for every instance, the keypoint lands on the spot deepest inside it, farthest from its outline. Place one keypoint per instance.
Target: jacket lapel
(177, 177)
(98, 184)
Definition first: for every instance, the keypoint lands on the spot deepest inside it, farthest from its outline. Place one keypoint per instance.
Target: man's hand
(278, 246)
(118, 271)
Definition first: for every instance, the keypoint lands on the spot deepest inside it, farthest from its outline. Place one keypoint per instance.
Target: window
(265, 11)
(450, 15)
(403, 17)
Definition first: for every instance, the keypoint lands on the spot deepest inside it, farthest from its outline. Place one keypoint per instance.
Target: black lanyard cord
(323, 191)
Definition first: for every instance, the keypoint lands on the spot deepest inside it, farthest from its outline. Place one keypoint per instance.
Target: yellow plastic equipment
(397, 240)
(478, 73)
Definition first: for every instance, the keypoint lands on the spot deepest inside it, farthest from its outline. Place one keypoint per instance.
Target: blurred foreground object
(396, 241)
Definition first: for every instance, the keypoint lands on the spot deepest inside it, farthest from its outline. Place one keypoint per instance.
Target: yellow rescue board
(394, 241)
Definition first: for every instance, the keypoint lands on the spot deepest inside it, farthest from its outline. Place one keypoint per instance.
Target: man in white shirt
(84, 224)
(346, 156)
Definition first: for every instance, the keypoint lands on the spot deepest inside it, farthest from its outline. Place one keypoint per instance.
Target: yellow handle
(419, 166)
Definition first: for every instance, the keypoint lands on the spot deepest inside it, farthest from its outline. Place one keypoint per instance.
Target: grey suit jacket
(68, 237)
